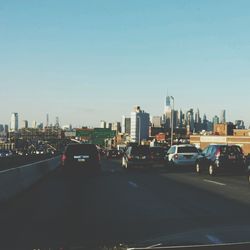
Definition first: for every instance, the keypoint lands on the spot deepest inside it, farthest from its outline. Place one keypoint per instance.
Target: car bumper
(185, 162)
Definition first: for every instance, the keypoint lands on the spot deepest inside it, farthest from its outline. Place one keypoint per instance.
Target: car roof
(184, 145)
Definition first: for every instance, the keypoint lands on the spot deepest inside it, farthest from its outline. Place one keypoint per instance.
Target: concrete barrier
(16, 180)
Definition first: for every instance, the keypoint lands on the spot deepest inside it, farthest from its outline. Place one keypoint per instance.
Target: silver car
(182, 155)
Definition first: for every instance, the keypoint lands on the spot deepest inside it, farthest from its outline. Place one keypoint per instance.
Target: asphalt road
(153, 207)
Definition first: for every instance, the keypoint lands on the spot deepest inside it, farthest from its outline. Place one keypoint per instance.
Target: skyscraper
(167, 116)
(156, 121)
(190, 119)
(216, 120)
(47, 120)
(24, 124)
(180, 119)
(103, 124)
(223, 116)
(14, 122)
(197, 121)
(126, 121)
(139, 125)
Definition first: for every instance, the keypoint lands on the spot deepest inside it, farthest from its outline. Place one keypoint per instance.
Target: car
(182, 155)
(113, 154)
(220, 158)
(158, 156)
(81, 158)
(5, 153)
(137, 156)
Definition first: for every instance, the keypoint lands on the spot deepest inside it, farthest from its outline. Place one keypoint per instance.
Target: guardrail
(16, 180)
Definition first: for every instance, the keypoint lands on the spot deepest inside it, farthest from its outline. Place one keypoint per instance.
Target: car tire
(197, 168)
(211, 170)
(123, 162)
(172, 164)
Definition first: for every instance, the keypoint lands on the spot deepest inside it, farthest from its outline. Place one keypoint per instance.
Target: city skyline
(178, 112)
(104, 58)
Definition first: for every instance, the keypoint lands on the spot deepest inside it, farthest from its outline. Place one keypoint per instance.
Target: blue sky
(86, 61)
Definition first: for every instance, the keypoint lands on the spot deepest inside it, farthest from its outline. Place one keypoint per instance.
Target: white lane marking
(132, 184)
(153, 246)
(215, 182)
(213, 239)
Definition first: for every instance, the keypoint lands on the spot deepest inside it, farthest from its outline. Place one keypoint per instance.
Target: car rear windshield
(79, 149)
(235, 150)
(187, 150)
(157, 150)
(141, 150)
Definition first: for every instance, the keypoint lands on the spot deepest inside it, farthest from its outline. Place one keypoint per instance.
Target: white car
(182, 155)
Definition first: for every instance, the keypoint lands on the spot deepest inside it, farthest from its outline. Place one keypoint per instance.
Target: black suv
(158, 156)
(137, 156)
(81, 158)
(221, 158)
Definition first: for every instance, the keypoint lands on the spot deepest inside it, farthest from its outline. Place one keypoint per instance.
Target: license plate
(81, 160)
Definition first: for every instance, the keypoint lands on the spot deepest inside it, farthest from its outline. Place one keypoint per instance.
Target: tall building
(103, 124)
(1, 128)
(110, 125)
(57, 124)
(116, 126)
(239, 124)
(180, 119)
(40, 125)
(216, 120)
(167, 113)
(126, 125)
(34, 124)
(47, 120)
(197, 121)
(223, 116)
(139, 125)
(25, 124)
(6, 128)
(156, 121)
(190, 119)
(204, 122)
(14, 122)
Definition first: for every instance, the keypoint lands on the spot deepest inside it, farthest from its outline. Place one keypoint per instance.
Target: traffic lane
(232, 186)
(117, 206)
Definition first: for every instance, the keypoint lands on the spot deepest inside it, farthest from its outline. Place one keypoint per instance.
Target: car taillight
(217, 153)
(63, 158)
(176, 156)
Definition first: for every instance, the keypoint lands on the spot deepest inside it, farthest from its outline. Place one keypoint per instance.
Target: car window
(140, 150)
(235, 150)
(212, 150)
(172, 150)
(81, 149)
(187, 150)
(204, 152)
(209, 150)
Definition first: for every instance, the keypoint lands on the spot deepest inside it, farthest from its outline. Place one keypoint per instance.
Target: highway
(129, 207)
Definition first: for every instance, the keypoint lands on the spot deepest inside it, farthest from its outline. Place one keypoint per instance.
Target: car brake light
(63, 158)
(218, 152)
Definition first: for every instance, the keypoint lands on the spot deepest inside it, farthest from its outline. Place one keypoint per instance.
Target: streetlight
(172, 121)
